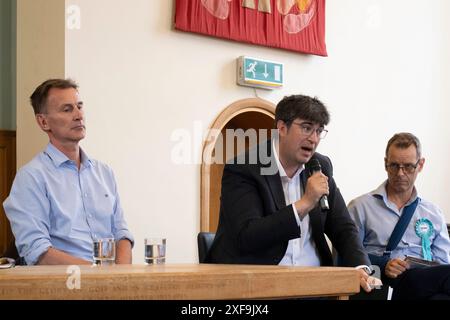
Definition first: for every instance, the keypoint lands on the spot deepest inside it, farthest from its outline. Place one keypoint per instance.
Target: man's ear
(42, 122)
(282, 127)
(421, 163)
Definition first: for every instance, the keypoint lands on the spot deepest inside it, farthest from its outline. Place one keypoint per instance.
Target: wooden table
(176, 281)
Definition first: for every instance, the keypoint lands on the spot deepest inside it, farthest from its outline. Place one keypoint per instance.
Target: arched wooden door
(243, 114)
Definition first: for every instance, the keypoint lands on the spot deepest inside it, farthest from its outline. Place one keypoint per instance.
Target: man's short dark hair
(404, 140)
(303, 107)
(39, 97)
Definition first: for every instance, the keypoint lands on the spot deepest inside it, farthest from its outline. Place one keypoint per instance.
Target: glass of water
(104, 251)
(155, 250)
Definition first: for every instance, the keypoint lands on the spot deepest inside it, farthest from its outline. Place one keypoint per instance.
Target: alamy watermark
(73, 17)
(223, 146)
(74, 279)
(374, 17)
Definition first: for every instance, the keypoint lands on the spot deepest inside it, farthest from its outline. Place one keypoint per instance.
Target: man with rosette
(395, 224)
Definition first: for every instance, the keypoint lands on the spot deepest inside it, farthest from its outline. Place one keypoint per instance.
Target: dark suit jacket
(255, 225)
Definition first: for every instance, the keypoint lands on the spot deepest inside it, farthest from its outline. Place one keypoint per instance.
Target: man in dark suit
(269, 206)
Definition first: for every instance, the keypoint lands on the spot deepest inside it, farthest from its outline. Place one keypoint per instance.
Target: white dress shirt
(300, 251)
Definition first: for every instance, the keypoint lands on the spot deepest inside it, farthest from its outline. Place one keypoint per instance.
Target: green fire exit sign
(259, 73)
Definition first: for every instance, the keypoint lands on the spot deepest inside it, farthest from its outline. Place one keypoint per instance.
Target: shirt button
(86, 195)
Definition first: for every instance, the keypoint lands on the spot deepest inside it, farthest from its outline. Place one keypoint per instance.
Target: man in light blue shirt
(62, 200)
(376, 214)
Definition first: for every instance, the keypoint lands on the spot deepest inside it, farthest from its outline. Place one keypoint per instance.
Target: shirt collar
(60, 158)
(381, 192)
(279, 165)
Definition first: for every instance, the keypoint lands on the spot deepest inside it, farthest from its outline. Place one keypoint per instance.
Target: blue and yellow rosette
(424, 230)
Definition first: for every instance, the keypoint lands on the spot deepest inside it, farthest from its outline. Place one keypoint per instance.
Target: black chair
(11, 252)
(204, 242)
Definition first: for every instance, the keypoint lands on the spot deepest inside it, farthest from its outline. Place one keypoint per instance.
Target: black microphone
(312, 166)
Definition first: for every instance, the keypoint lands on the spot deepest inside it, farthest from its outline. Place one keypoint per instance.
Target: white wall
(387, 71)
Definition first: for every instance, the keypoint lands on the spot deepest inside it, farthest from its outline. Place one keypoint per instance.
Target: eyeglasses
(407, 168)
(308, 129)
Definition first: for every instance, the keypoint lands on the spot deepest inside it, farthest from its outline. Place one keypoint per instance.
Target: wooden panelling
(7, 173)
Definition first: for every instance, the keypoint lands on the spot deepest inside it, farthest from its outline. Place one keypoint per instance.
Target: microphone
(312, 166)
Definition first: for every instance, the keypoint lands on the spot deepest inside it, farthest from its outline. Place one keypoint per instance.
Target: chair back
(11, 252)
(204, 242)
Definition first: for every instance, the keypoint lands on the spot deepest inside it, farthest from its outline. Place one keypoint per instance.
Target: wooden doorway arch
(244, 114)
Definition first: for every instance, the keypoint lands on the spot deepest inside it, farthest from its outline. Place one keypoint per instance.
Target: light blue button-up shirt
(53, 204)
(376, 217)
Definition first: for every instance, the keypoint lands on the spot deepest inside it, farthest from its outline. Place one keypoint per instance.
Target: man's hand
(363, 278)
(368, 282)
(316, 187)
(395, 267)
(123, 252)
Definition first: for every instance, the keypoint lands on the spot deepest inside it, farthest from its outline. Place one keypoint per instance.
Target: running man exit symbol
(252, 67)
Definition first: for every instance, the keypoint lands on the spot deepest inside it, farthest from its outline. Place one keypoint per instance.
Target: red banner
(297, 25)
